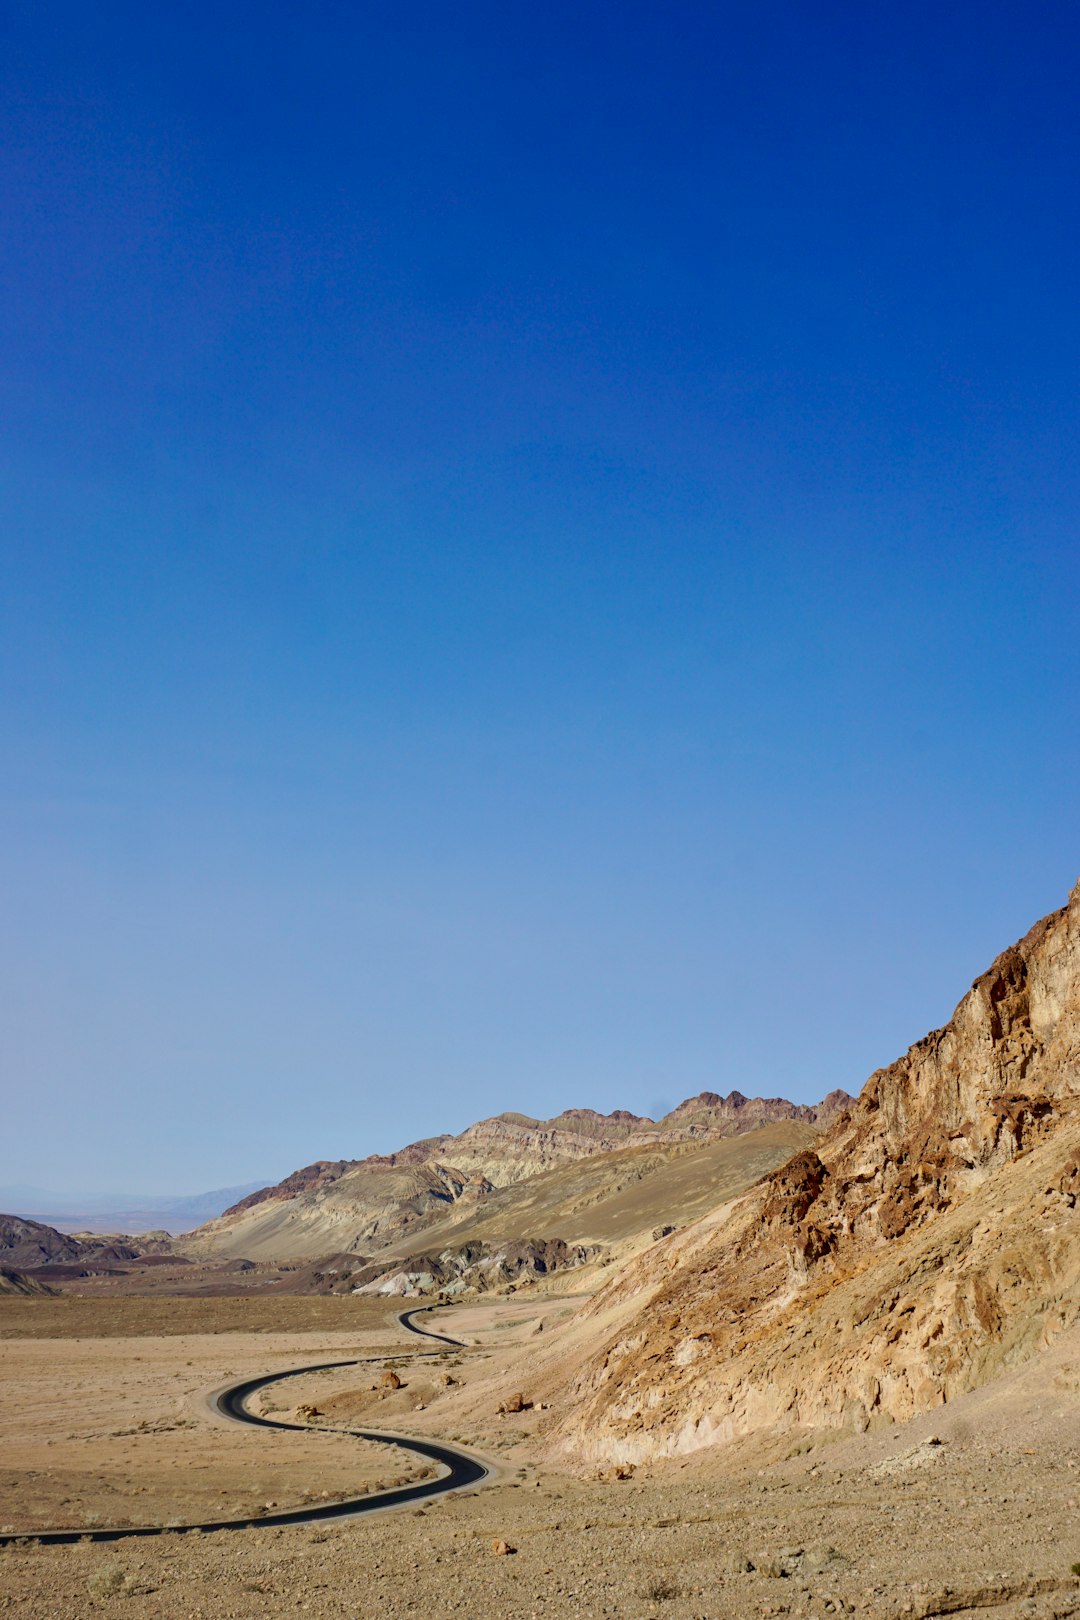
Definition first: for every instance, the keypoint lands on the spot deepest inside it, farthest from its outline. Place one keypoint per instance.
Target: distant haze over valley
(122, 1212)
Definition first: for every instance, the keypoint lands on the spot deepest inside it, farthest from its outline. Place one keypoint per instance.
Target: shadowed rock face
(20, 1282)
(931, 1237)
(26, 1243)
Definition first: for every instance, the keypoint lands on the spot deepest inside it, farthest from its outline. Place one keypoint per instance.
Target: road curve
(462, 1470)
(406, 1320)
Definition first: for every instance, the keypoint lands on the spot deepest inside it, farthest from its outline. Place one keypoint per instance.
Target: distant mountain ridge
(29, 1245)
(349, 1204)
(571, 1134)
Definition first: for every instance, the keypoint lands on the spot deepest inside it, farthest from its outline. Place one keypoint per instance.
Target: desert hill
(13, 1281)
(591, 1212)
(27, 1245)
(929, 1240)
(390, 1201)
(366, 1207)
(613, 1198)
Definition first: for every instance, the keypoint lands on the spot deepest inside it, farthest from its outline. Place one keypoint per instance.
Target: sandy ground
(72, 1316)
(887, 1523)
(115, 1430)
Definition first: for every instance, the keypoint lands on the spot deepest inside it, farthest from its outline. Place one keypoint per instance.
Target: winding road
(406, 1320)
(461, 1469)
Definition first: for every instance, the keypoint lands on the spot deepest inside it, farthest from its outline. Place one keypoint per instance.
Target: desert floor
(104, 1418)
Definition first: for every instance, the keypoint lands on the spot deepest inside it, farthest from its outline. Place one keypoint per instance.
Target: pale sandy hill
(589, 1214)
(366, 1208)
(931, 1240)
(622, 1196)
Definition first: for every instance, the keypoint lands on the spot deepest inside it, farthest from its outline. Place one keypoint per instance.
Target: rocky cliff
(929, 1238)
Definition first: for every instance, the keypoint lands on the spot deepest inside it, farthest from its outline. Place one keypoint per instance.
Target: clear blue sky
(539, 557)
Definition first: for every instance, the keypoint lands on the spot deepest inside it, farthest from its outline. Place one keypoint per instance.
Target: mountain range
(490, 1174)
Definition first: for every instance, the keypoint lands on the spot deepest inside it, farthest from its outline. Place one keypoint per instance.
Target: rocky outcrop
(512, 1147)
(930, 1237)
(474, 1267)
(22, 1283)
(710, 1114)
(25, 1244)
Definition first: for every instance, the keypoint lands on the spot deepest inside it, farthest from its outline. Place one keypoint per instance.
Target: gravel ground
(917, 1530)
(973, 1509)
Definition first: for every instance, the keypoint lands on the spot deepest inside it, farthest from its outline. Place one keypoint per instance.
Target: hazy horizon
(539, 556)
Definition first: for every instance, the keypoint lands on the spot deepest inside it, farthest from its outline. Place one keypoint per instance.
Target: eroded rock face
(930, 1238)
(473, 1266)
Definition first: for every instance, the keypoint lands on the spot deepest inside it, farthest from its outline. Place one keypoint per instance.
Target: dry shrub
(659, 1590)
(109, 1580)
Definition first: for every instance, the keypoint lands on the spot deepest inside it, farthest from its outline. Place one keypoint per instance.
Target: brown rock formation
(929, 1238)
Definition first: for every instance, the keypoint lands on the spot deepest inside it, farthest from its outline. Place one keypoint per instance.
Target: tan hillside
(930, 1240)
(371, 1205)
(594, 1212)
(619, 1197)
(360, 1205)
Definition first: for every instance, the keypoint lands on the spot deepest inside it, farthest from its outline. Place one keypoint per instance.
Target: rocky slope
(25, 1243)
(344, 1204)
(929, 1239)
(618, 1199)
(374, 1203)
(21, 1282)
(465, 1267)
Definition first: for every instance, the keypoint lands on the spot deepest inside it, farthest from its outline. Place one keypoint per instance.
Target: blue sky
(539, 558)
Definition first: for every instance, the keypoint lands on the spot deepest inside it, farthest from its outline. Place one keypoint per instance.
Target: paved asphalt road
(406, 1320)
(462, 1470)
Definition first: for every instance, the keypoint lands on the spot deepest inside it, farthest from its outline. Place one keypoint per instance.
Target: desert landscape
(539, 939)
(751, 1358)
